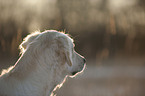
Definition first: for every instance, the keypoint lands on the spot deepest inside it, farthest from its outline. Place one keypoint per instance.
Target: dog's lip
(75, 72)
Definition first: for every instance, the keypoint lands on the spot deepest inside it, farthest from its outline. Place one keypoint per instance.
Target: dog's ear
(63, 50)
(27, 40)
(68, 60)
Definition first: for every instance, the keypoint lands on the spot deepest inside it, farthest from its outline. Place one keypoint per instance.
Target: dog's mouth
(74, 73)
(77, 72)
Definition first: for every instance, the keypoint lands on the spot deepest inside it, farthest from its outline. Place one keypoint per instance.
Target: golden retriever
(47, 58)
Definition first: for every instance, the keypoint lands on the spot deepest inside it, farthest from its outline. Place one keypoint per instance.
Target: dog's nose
(84, 60)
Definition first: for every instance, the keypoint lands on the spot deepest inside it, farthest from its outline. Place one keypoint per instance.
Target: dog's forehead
(54, 34)
(49, 33)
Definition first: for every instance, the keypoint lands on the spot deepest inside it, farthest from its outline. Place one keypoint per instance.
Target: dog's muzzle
(81, 69)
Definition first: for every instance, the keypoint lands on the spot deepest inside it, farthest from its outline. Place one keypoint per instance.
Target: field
(110, 34)
(115, 79)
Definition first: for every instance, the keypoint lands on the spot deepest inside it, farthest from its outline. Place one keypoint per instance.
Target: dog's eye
(72, 52)
(72, 49)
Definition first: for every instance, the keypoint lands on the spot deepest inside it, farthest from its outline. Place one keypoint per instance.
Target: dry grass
(101, 25)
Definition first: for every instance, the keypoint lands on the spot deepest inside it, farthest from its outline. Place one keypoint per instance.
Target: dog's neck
(30, 78)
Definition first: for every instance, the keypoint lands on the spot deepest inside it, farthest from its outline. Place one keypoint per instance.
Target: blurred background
(110, 34)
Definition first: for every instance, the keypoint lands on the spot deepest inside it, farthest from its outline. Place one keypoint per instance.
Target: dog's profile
(47, 58)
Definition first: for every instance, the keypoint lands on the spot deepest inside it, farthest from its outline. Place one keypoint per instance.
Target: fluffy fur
(47, 58)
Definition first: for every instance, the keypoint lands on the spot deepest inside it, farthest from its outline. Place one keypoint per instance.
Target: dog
(47, 58)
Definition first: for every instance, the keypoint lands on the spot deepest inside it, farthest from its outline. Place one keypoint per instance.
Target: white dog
(47, 58)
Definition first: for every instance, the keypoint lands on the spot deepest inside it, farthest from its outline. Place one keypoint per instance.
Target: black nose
(84, 60)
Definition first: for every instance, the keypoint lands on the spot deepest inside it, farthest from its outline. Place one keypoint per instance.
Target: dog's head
(57, 49)
(75, 62)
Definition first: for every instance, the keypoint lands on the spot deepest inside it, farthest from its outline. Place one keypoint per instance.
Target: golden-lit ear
(27, 40)
(63, 50)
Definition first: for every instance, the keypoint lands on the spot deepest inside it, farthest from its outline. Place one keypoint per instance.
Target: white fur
(47, 59)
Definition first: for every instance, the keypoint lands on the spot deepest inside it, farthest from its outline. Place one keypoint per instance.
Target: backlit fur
(47, 58)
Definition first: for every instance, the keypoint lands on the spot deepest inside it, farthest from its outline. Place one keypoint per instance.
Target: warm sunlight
(110, 34)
